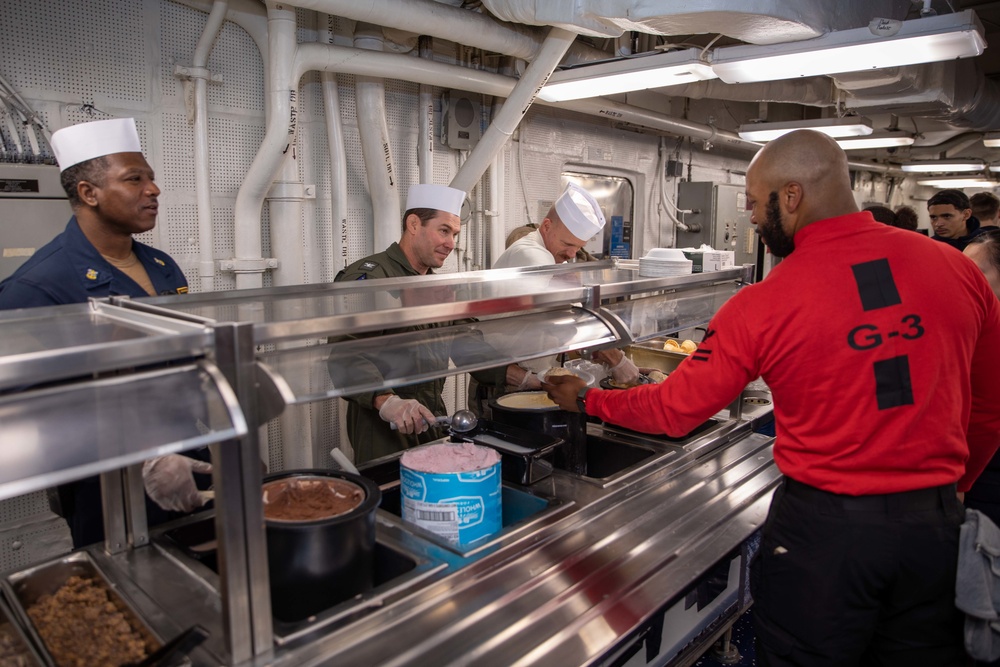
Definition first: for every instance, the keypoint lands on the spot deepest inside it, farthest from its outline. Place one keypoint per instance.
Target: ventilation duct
(755, 21)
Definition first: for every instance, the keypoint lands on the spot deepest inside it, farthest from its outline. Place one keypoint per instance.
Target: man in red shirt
(882, 351)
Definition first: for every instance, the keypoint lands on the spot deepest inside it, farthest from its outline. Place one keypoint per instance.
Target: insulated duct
(755, 21)
(427, 17)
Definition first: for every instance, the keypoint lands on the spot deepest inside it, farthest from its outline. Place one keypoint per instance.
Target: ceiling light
(877, 140)
(940, 166)
(923, 40)
(625, 74)
(958, 183)
(995, 167)
(992, 140)
(850, 126)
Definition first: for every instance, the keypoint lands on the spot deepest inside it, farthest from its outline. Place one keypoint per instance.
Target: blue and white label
(463, 508)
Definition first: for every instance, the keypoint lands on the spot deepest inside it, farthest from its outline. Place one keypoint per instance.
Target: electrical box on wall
(33, 211)
(721, 213)
(461, 120)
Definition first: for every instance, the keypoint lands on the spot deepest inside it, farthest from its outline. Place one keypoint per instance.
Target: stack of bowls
(661, 262)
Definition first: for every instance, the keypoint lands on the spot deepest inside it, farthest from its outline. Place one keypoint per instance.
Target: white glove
(407, 414)
(169, 481)
(529, 382)
(625, 372)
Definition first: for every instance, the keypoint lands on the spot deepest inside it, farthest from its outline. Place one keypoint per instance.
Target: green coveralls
(370, 436)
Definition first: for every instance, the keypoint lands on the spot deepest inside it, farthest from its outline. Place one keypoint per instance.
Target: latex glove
(408, 414)
(169, 481)
(529, 382)
(625, 372)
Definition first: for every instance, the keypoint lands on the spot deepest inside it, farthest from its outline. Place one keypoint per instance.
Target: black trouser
(870, 580)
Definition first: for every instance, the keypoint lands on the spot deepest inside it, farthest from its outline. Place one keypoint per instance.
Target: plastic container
(462, 507)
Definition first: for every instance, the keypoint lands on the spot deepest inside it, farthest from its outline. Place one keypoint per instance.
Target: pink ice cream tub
(452, 490)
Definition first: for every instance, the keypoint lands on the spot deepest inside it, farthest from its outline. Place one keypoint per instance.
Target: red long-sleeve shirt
(882, 351)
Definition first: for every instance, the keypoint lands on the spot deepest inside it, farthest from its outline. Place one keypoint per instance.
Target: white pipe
(348, 60)
(247, 14)
(425, 107)
(518, 103)
(436, 19)
(376, 149)
(497, 235)
(288, 237)
(202, 184)
(338, 156)
(279, 139)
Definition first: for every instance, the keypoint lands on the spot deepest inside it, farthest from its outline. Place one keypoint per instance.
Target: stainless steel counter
(564, 586)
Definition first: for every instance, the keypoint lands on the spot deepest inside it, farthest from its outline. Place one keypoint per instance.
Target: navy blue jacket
(68, 269)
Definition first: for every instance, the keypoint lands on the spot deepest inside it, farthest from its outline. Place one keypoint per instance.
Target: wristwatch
(581, 400)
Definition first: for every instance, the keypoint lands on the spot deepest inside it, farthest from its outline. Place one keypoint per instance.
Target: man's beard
(772, 233)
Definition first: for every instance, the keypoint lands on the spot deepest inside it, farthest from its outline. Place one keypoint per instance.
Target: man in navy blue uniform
(111, 190)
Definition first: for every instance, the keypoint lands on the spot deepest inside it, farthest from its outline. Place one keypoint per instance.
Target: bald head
(803, 176)
(810, 158)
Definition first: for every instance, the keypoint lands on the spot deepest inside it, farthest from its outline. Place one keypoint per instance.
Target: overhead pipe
(425, 108)
(463, 26)
(407, 68)
(202, 181)
(376, 150)
(338, 154)
(518, 102)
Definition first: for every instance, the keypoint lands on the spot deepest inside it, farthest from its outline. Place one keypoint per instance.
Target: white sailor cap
(580, 212)
(439, 197)
(86, 141)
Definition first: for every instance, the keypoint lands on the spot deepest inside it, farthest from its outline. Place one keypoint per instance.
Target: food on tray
(656, 377)
(686, 347)
(527, 400)
(310, 498)
(449, 458)
(557, 370)
(13, 652)
(81, 625)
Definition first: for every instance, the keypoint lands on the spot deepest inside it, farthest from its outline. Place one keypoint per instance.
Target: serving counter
(636, 560)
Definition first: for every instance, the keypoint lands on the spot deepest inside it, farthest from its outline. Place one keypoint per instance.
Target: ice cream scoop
(463, 421)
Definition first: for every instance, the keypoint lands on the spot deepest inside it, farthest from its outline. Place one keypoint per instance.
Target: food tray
(24, 588)
(650, 354)
(525, 456)
(16, 650)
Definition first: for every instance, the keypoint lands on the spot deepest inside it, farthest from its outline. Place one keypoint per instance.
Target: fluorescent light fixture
(995, 167)
(923, 40)
(958, 183)
(849, 126)
(941, 166)
(992, 140)
(625, 74)
(877, 140)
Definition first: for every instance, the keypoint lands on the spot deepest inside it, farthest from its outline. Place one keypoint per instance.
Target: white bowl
(674, 254)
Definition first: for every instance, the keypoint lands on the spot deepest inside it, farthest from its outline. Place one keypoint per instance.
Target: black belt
(936, 497)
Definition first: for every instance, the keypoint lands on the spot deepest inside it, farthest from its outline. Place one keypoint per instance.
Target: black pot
(314, 565)
(571, 427)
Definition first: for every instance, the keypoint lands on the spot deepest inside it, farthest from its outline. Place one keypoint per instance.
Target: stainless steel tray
(16, 650)
(24, 588)
(650, 354)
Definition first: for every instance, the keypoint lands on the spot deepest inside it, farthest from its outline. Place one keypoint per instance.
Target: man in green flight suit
(431, 225)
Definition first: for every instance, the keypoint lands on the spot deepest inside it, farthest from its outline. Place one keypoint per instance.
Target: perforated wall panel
(65, 47)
